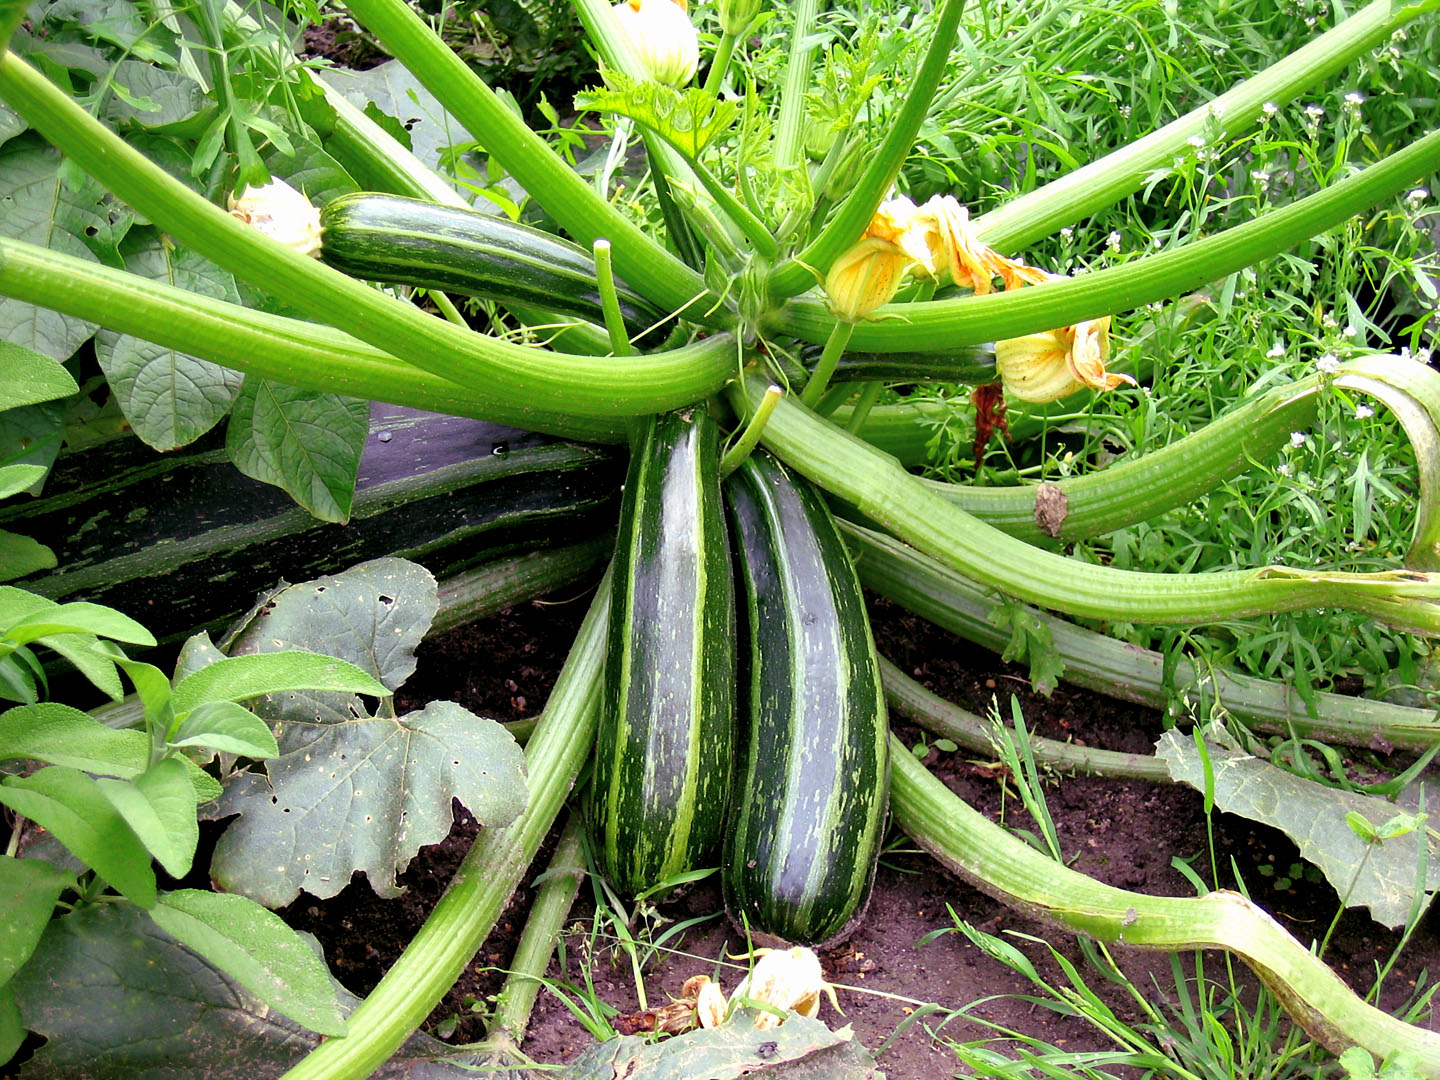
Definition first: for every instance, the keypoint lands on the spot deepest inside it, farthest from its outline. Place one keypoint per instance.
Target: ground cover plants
(1170, 400)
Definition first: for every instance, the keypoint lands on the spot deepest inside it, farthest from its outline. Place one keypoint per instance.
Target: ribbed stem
(1002, 865)
(482, 885)
(879, 488)
(972, 320)
(1121, 670)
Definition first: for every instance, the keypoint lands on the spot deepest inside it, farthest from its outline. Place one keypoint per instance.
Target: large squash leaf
(1383, 879)
(118, 998)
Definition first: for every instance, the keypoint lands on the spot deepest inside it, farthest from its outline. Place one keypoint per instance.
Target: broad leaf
(239, 678)
(364, 795)
(168, 397)
(28, 377)
(71, 806)
(373, 615)
(1313, 815)
(152, 96)
(799, 1047)
(313, 172)
(41, 208)
(159, 805)
(687, 119)
(21, 555)
(256, 949)
(60, 735)
(305, 442)
(12, 1026)
(17, 478)
(227, 727)
(120, 999)
(78, 618)
(10, 124)
(197, 652)
(33, 434)
(28, 891)
(86, 653)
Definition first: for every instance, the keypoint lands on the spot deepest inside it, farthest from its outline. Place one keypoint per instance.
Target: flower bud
(865, 277)
(737, 15)
(281, 213)
(664, 36)
(1046, 367)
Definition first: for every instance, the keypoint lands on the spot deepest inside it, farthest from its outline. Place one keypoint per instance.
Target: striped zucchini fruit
(663, 752)
(810, 803)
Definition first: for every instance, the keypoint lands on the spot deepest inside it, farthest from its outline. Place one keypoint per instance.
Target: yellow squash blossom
(865, 277)
(664, 36)
(281, 213)
(1048, 366)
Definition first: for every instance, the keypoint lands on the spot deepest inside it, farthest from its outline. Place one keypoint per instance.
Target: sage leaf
(227, 727)
(71, 805)
(1383, 879)
(28, 377)
(305, 442)
(22, 555)
(366, 795)
(159, 805)
(58, 734)
(238, 678)
(28, 891)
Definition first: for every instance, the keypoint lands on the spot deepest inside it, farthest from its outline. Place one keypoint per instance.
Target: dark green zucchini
(809, 805)
(663, 751)
(412, 242)
(184, 540)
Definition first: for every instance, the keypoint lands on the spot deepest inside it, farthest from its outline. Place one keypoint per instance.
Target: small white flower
(1415, 196)
(1283, 468)
(1328, 364)
(1113, 240)
(1297, 439)
(1067, 233)
(1354, 99)
(1269, 108)
(1350, 331)
(1125, 111)
(1423, 356)
(1276, 351)
(1363, 412)
(1197, 141)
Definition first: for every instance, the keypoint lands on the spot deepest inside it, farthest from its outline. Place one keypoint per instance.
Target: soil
(903, 957)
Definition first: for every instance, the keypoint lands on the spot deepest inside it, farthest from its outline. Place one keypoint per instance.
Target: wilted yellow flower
(1045, 367)
(865, 277)
(664, 36)
(787, 979)
(281, 213)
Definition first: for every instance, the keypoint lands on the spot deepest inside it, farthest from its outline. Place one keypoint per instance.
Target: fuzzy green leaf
(170, 399)
(1313, 815)
(239, 678)
(60, 735)
(227, 727)
(159, 805)
(305, 442)
(28, 891)
(364, 795)
(687, 119)
(28, 377)
(21, 555)
(71, 806)
(78, 618)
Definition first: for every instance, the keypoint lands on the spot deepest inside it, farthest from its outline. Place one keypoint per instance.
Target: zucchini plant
(775, 285)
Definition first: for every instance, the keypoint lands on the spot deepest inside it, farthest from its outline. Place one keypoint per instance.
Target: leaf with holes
(373, 615)
(364, 794)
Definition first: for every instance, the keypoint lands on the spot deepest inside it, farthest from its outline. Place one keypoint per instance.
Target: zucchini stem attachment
(609, 300)
(754, 428)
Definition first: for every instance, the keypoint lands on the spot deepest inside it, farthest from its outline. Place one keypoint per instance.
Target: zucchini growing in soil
(663, 751)
(810, 802)
(184, 540)
(412, 242)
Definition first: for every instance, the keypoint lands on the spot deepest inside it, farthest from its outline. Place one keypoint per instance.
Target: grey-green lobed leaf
(169, 398)
(364, 795)
(28, 891)
(1313, 815)
(118, 998)
(306, 442)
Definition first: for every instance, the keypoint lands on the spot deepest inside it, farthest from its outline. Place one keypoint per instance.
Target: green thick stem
(906, 697)
(482, 885)
(849, 221)
(882, 490)
(1005, 867)
(1121, 670)
(528, 378)
(943, 324)
(1097, 185)
(644, 264)
(788, 134)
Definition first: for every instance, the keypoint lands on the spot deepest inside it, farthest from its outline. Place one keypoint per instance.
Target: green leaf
(41, 208)
(85, 652)
(239, 678)
(71, 806)
(152, 96)
(228, 728)
(28, 377)
(118, 998)
(169, 398)
(159, 805)
(197, 652)
(373, 615)
(20, 555)
(151, 686)
(78, 618)
(687, 119)
(1314, 816)
(306, 442)
(364, 795)
(31, 435)
(256, 949)
(28, 891)
(12, 1026)
(60, 735)
(732, 1050)
(17, 478)
(1030, 639)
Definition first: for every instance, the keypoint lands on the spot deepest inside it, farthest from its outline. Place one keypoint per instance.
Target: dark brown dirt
(1123, 832)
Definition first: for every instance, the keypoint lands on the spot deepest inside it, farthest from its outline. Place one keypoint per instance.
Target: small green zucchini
(809, 806)
(657, 799)
(412, 242)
